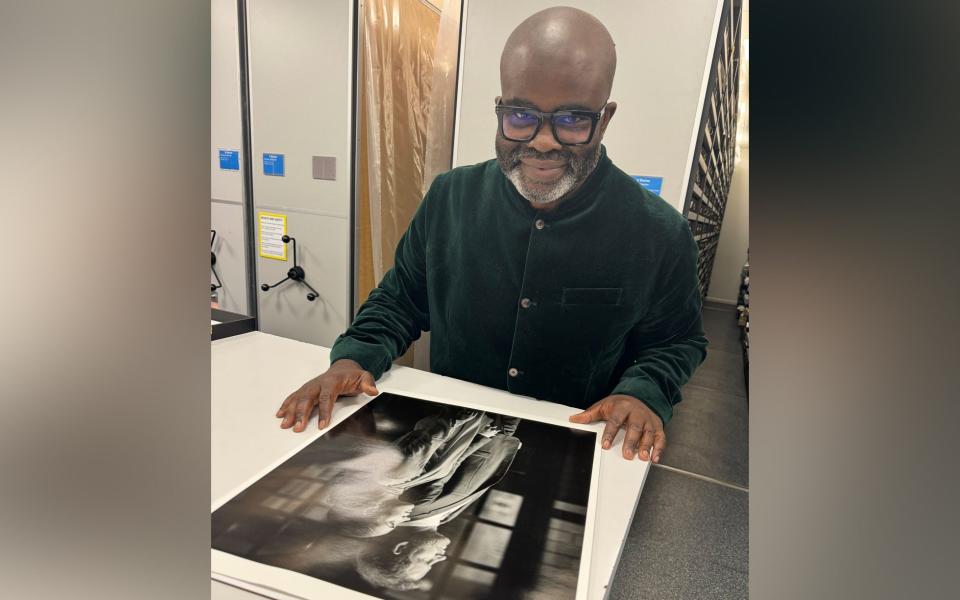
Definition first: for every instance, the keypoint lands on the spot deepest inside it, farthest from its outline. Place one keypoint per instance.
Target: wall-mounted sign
(652, 184)
(229, 160)
(273, 164)
(273, 227)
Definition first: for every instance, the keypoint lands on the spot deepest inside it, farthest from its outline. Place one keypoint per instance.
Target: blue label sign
(273, 164)
(230, 160)
(652, 184)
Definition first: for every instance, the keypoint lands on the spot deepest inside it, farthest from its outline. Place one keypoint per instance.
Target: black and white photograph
(411, 499)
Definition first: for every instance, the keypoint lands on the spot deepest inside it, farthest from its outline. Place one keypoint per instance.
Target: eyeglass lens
(521, 126)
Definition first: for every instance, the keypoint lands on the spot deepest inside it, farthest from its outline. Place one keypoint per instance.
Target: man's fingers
(646, 442)
(326, 410)
(289, 417)
(288, 401)
(282, 411)
(301, 412)
(343, 378)
(610, 432)
(659, 443)
(588, 416)
(286, 411)
(631, 440)
(328, 395)
(367, 384)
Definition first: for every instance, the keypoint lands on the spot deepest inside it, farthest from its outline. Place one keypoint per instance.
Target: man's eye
(522, 116)
(571, 120)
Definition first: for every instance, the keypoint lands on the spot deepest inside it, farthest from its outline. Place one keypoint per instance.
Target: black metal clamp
(213, 261)
(295, 273)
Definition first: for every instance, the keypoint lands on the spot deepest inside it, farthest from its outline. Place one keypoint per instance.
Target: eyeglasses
(570, 127)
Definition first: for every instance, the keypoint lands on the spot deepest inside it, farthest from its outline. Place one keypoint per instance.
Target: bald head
(560, 46)
(559, 59)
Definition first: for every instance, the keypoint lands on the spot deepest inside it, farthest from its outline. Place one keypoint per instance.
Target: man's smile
(540, 170)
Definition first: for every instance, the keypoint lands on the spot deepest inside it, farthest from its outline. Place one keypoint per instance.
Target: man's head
(403, 558)
(557, 59)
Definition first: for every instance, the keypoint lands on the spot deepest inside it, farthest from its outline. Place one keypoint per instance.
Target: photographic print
(411, 499)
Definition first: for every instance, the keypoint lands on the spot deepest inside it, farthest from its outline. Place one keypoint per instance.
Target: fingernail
(606, 444)
(656, 458)
(643, 454)
(323, 423)
(628, 454)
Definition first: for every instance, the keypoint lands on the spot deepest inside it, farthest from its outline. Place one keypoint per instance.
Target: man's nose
(545, 141)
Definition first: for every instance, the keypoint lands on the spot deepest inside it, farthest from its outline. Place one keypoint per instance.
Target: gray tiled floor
(689, 536)
(721, 371)
(688, 540)
(708, 436)
(708, 433)
(720, 324)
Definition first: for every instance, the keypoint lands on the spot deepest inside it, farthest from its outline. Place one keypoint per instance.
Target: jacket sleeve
(396, 312)
(668, 344)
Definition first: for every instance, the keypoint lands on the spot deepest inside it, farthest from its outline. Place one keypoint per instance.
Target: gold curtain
(407, 78)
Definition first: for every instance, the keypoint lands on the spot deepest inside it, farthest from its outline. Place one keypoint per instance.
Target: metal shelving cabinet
(712, 169)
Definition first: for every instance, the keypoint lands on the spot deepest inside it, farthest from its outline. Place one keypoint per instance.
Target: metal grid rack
(712, 169)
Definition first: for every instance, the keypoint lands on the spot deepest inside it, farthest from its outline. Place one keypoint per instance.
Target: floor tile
(688, 540)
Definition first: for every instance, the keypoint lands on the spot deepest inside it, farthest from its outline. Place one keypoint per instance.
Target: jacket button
(525, 303)
(513, 372)
(539, 224)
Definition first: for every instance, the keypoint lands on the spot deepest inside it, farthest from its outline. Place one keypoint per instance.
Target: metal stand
(295, 273)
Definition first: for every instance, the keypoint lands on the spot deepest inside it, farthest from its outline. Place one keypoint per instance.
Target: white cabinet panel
(322, 250)
(227, 220)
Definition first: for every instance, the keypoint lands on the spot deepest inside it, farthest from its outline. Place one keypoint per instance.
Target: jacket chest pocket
(595, 318)
(591, 296)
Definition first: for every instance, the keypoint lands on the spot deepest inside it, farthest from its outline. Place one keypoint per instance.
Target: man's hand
(643, 427)
(344, 378)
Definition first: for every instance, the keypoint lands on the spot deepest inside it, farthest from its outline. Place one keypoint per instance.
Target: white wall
(226, 187)
(734, 235)
(663, 48)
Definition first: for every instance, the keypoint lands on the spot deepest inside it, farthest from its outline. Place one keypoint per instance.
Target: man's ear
(608, 111)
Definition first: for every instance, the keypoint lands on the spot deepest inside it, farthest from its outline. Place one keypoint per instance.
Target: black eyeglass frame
(593, 116)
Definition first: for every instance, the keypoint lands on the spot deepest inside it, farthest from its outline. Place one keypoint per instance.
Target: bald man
(547, 272)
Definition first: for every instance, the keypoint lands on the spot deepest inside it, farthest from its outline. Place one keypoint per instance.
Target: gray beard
(577, 170)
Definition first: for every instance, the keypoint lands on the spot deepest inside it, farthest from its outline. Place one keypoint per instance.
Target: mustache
(554, 155)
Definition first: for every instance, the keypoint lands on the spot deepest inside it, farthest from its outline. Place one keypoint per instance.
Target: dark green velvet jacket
(596, 297)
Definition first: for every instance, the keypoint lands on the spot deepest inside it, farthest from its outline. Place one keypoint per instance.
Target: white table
(253, 372)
